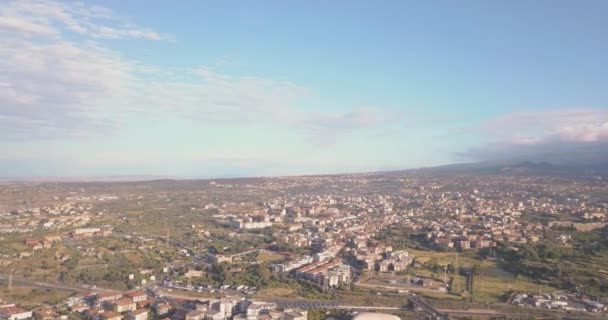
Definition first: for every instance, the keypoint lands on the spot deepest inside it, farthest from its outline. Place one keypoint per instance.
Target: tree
(476, 269)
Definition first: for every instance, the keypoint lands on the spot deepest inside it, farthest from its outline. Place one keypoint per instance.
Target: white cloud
(576, 125)
(44, 17)
(365, 117)
(53, 84)
(49, 88)
(211, 97)
(53, 87)
(326, 127)
(15, 24)
(561, 136)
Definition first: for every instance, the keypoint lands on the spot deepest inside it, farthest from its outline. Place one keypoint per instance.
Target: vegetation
(581, 266)
(30, 297)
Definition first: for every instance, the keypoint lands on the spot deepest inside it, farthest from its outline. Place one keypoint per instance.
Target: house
(195, 315)
(426, 282)
(83, 233)
(162, 308)
(396, 261)
(12, 312)
(295, 315)
(123, 305)
(34, 244)
(144, 303)
(105, 297)
(215, 315)
(110, 315)
(219, 258)
(137, 296)
(46, 313)
(78, 308)
(193, 273)
(464, 244)
(140, 314)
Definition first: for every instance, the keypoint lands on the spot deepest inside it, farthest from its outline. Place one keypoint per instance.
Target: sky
(196, 89)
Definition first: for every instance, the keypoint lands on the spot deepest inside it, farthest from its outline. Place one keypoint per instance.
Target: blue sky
(228, 88)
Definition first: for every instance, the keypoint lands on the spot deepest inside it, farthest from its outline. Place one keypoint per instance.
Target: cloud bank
(567, 136)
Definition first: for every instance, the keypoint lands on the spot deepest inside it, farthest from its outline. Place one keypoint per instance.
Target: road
(413, 288)
(417, 301)
(426, 307)
(304, 304)
(309, 304)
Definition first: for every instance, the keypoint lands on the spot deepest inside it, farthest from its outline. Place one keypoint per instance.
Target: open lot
(491, 284)
(30, 296)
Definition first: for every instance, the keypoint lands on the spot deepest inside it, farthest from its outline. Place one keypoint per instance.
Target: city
(416, 243)
(303, 160)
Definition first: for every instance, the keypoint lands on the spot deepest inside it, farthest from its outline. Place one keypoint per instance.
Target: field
(272, 293)
(491, 284)
(269, 257)
(30, 296)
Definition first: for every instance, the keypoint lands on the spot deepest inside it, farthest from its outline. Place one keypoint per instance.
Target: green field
(491, 284)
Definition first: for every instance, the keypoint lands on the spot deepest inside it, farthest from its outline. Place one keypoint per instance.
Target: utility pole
(471, 277)
(10, 280)
(456, 273)
(168, 232)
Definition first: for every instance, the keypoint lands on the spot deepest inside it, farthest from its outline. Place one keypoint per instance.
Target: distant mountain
(522, 168)
(519, 168)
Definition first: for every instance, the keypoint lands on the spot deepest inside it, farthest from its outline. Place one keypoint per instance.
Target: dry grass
(269, 257)
(271, 293)
(30, 296)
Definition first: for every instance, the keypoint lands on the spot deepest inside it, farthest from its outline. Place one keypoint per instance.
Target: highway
(310, 304)
(304, 304)
(417, 301)
(426, 307)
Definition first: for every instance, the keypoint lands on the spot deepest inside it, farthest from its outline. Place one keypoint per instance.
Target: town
(276, 247)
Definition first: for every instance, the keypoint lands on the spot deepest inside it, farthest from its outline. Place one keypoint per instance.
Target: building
(295, 315)
(123, 305)
(110, 315)
(12, 312)
(162, 308)
(397, 261)
(106, 297)
(137, 296)
(251, 223)
(326, 273)
(195, 315)
(46, 313)
(140, 314)
(192, 273)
